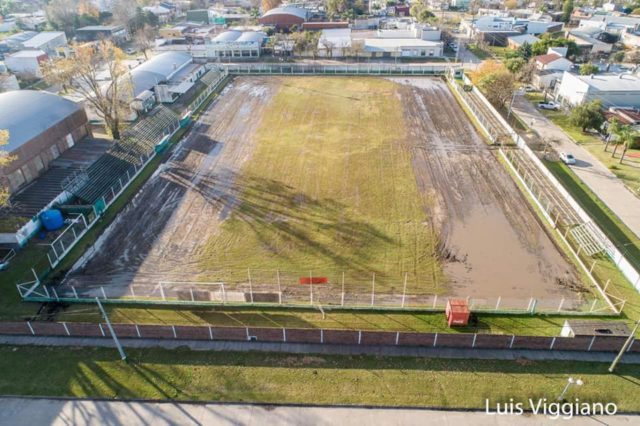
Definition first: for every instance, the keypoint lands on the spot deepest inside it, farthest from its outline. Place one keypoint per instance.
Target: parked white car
(567, 158)
(549, 105)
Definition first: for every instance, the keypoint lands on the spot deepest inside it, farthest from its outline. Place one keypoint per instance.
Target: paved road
(37, 411)
(588, 168)
(315, 348)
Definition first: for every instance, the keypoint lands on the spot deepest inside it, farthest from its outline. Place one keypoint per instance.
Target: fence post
(250, 286)
(435, 300)
(279, 287)
(192, 298)
(513, 338)
(31, 328)
(132, 293)
(373, 289)
(473, 344)
(162, 292)
(498, 302)
(75, 293)
(310, 289)
(104, 295)
(342, 295)
(66, 329)
(561, 303)
(404, 289)
(55, 293)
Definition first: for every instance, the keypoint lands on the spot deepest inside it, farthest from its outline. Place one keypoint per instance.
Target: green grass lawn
(427, 322)
(286, 378)
(477, 51)
(330, 188)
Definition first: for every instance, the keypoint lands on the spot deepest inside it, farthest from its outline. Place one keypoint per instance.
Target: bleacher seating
(137, 142)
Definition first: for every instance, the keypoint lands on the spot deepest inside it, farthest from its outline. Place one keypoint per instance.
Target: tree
(267, 5)
(587, 116)
(525, 51)
(633, 57)
(5, 159)
(511, 4)
(124, 11)
(145, 39)
(497, 87)
(514, 65)
(636, 11)
(546, 41)
(567, 10)
(62, 14)
(111, 100)
(588, 69)
(618, 56)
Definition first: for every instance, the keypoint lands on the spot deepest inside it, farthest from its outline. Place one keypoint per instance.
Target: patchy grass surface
(477, 51)
(330, 188)
(280, 378)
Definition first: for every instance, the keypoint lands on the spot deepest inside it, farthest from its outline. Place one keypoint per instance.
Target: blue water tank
(52, 220)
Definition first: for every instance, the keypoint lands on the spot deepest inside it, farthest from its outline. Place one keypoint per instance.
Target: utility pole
(624, 348)
(113, 333)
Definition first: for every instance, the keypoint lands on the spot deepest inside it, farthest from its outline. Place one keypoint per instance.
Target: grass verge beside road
(258, 377)
(628, 172)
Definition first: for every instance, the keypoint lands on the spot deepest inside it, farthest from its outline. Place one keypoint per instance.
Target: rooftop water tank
(52, 220)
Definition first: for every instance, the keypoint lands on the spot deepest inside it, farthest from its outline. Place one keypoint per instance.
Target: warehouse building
(621, 90)
(168, 75)
(236, 44)
(115, 33)
(285, 17)
(26, 63)
(41, 126)
(47, 41)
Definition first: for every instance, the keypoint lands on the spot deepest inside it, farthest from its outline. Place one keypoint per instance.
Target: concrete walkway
(42, 411)
(313, 348)
(588, 168)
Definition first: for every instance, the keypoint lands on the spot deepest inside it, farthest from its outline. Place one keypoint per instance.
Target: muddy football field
(213, 212)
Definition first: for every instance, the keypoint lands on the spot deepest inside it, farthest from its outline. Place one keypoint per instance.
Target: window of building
(70, 141)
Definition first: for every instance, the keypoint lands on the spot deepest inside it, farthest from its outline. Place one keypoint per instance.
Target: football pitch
(371, 182)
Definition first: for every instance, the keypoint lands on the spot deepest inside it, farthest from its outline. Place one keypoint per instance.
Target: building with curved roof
(236, 43)
(41, 125)
(158, 69)
(285, 17)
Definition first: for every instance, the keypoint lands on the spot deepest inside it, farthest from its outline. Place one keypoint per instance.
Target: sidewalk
(40, 411)
(324, 349)
(588, 168)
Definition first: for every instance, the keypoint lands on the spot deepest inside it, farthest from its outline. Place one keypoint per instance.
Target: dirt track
(491, 243)
(158, 236)
(490, 240)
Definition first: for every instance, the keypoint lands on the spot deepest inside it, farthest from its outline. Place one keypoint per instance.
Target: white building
(235, 43)
(552, 61)
(47, 41)
(26, 63)
(402, 47)
(334, 43)
(8, 81)
(612, 90)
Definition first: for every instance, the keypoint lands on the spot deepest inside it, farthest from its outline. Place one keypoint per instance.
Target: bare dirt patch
(490, 239)
(159, 235)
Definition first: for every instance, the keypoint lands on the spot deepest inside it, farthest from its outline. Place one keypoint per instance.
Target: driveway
(588, 168)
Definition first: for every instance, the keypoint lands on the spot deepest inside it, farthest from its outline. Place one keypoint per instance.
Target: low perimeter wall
(319, 336)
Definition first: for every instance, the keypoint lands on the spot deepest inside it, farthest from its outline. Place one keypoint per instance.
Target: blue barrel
(52, 220)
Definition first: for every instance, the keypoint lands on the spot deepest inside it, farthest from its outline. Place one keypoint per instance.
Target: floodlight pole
(113, 333)
(624, 348)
